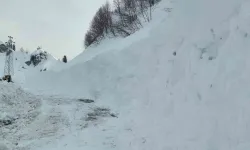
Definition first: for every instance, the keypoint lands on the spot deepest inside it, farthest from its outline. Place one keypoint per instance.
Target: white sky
(58, 26)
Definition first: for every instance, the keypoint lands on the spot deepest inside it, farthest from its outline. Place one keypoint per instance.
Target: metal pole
(8, 68)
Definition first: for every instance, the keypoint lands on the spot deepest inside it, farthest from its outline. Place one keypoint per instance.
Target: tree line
(123, 20)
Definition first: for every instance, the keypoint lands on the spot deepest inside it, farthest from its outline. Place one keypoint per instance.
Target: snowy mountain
(41, 59)
(181, 82)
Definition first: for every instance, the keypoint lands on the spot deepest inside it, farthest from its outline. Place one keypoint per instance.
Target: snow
(37, 52)
(197, 99)
(1, 43)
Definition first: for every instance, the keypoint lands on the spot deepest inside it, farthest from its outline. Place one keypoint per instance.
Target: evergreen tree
(64, 59)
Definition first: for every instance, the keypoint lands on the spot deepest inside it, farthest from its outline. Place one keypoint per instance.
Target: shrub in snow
(64, 59)
(3, 48)
(37, 57)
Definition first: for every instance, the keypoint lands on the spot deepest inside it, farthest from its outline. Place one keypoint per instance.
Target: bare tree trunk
(150, 9)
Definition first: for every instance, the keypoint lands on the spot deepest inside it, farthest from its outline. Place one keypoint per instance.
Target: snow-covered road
(32, 121)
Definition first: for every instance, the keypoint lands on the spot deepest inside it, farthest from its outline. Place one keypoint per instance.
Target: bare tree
(123, 21)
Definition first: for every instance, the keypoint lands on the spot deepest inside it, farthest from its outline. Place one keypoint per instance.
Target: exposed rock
(37, 57)
(174, 53)
(86, 100)
(5, 122)
(28, 63)
(99, 112)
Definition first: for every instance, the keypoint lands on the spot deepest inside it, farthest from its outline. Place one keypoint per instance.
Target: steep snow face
(182, 82)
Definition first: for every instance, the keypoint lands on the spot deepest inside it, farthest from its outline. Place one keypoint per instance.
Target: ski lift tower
(8, 68)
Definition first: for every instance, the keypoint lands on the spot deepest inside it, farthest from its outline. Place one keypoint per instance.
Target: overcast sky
(56, 25)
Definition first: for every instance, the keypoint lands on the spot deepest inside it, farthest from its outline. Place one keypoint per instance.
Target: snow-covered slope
(181, 82)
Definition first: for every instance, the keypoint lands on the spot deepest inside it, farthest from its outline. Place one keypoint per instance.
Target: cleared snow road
(32, 121)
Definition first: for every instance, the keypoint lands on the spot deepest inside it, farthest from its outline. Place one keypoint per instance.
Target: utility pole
(8, 68)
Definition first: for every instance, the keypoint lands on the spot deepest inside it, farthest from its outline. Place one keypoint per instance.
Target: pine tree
(64, 59)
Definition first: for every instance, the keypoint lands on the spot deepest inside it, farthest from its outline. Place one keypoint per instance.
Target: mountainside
(180, 83)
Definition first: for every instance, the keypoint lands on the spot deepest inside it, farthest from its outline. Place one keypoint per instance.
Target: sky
(58, 26)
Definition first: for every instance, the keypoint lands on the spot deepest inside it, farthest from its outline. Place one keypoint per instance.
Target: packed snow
(180, 83)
